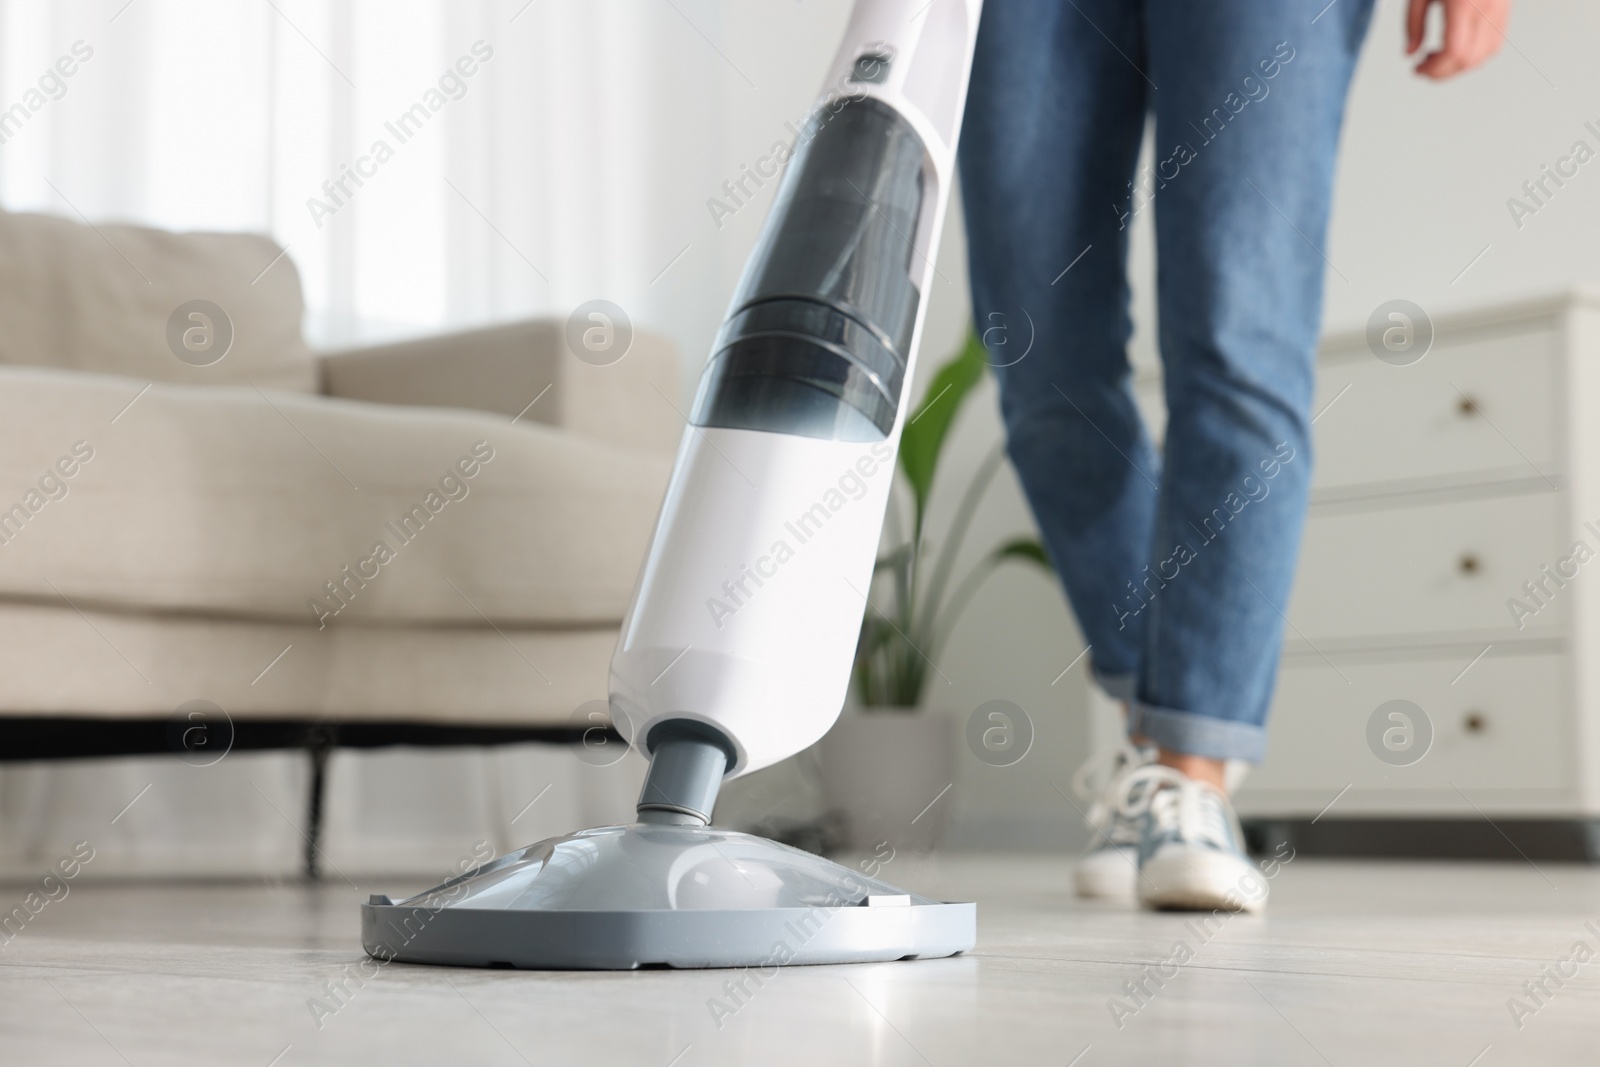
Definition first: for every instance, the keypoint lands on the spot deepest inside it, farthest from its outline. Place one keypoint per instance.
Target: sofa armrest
(503, 369)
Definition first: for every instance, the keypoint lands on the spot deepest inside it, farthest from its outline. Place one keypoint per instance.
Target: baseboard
(1571, 839)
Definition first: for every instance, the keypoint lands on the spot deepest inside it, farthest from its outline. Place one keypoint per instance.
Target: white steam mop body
(737, 648)
(749, 605)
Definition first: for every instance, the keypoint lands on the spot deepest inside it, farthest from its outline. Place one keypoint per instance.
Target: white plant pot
(889, 772)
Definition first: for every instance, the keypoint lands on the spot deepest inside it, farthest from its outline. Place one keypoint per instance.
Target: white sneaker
(1110, 866)
(1191, 850)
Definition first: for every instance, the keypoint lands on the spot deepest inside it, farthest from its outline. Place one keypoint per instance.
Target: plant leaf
(924, 433)
(945, 557)
(1022, 548)
(1025, 548)
(891, 559)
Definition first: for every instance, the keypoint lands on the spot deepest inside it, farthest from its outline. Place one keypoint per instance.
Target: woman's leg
(1250, 101)
(1054, 120)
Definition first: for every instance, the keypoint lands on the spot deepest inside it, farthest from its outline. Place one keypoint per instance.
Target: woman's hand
(1473, 31)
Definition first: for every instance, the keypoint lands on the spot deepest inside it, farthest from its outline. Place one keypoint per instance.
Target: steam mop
(737, 648)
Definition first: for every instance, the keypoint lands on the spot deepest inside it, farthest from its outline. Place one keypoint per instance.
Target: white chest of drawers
(1440, 488)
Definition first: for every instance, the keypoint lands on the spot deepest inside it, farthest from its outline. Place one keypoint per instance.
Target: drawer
(1484, 404)
(1475, 404)
(1431, 568)
(1502, 727)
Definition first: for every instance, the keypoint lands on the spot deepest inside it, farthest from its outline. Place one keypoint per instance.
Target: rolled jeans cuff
(1116, 686)
(1198, 735)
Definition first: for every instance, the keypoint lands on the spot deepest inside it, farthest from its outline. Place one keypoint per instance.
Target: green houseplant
(917, 596)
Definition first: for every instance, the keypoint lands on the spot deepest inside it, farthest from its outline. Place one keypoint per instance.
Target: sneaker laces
(1098, 783)
(1179, 806)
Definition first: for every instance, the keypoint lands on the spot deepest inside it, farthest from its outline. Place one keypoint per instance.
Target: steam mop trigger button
(871, 67)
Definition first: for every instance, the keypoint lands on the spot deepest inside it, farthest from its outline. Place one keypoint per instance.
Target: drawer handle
(1468, 564)
(1467, 406)
(1475, 722)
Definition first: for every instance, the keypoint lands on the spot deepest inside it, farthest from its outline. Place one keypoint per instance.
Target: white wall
(1428, 169)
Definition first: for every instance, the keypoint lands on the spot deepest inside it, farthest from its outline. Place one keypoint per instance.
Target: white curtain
(561, 151)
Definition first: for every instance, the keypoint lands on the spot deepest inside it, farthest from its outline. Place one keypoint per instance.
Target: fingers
(1495, 15)
(1416, 23)
(1473, 31)
(1460, 38)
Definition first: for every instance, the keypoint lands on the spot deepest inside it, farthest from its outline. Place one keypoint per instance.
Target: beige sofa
(172, 532)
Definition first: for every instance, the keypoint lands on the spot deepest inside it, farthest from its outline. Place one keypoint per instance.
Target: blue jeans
(1178, 565)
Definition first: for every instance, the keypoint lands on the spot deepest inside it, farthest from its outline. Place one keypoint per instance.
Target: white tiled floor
(1355, 964)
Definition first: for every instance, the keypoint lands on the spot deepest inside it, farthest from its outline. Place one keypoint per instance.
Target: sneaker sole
(1198, 880)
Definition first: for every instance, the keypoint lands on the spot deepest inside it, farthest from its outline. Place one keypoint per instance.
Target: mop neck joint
(687, 762)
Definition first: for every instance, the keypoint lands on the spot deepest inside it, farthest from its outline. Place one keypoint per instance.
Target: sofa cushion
(115, 664)
(256, 503)
(502, 368)
(121, 299)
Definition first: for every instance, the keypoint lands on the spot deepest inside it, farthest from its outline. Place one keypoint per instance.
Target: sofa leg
(319, 746)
